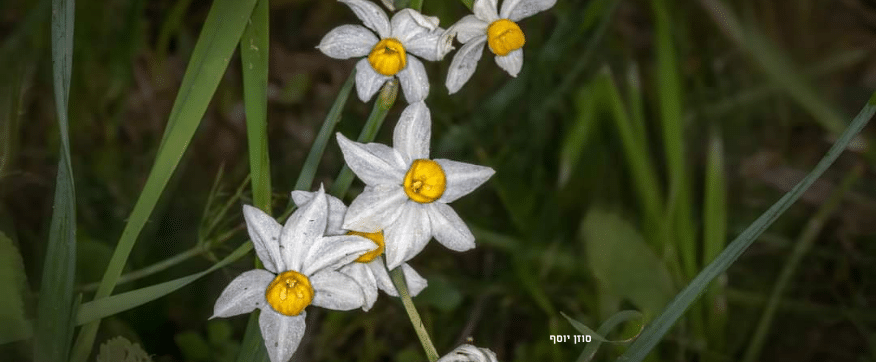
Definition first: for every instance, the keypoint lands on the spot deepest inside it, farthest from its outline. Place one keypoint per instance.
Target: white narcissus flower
(301, 270)
(498, 30)
(469, 353)
(406, 193)
(391, 52)
(368, 269)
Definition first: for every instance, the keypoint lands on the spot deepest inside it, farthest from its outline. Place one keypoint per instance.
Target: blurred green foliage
(581, 129)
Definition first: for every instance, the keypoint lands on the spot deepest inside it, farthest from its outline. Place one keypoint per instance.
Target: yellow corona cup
(388, 57)
(425, 181)
(504, 36)
(289, 293)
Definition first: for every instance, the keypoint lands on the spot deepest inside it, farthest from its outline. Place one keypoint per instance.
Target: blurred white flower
(496, 29)
(391, 52)
(368, 270)
(469, 353)
(406, 193)
(301, 270)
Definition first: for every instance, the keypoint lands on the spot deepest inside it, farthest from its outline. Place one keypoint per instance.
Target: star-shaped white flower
(409, 33)
(469, 353)
(406, 193)
(368, 270)
(301, 270)
(498, 30)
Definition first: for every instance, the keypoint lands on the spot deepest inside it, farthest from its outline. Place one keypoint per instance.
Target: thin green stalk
(384, 102)
(254, 61)
(804, 244)
(308, 171)
(152, 269)
(714, 239)
(398, 279)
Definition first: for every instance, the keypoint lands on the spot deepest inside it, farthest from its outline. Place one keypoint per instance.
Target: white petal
(281, 333)
(336, 210)
(384, 283)
(469, 353)
(428, 45)
(464, 63)
(486, 10)
(408, 235)
(375, 208)
(371, 15)
(462, 178)
(368, 81)
(414, 281)
(336, 291)
(304, 227)
(408, 23)
(413, 79)
(448, 228)
(375, 165)
(364, 276)
(511, 62)
(347, 41)
(468, 28)
(244, 294)
(264, 232)
(332, 252)
(519, 9)
(413, 132)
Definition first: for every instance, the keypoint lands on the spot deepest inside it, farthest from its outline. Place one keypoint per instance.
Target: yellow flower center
(377, 238)
(289, 293)
(425, 181)
(504, 36)
(388, 57)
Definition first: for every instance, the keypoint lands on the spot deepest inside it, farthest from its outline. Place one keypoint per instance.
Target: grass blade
(254, 46)
(101, 308)
(804, 244)
(308, 171)
(219, 37)
(775, 65)
(714, 239)
(655, 331)
(54, 329)
(254, 58)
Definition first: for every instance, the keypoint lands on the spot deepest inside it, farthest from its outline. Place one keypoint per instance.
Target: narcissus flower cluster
(337, 257)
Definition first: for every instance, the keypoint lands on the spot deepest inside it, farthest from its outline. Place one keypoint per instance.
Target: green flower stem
(398, 279)
(384, 102)
(417, 5)
(804, 244)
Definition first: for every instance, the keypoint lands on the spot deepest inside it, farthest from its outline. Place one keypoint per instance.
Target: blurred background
(639, 139)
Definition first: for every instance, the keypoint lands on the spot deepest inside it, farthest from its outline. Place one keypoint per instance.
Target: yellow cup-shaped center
(289, 293)
(388, 57)
(504, 36)
(425, 181)
(377, 238)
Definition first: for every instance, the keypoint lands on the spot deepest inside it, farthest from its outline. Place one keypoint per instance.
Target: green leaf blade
(54, 329)
(219, 37)
(655, 331)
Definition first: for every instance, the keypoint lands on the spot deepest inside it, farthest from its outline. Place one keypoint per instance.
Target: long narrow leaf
(54, 329)
(308, 171)
(655, 331)
(101, 308)
(254, 58)
(221, 33)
